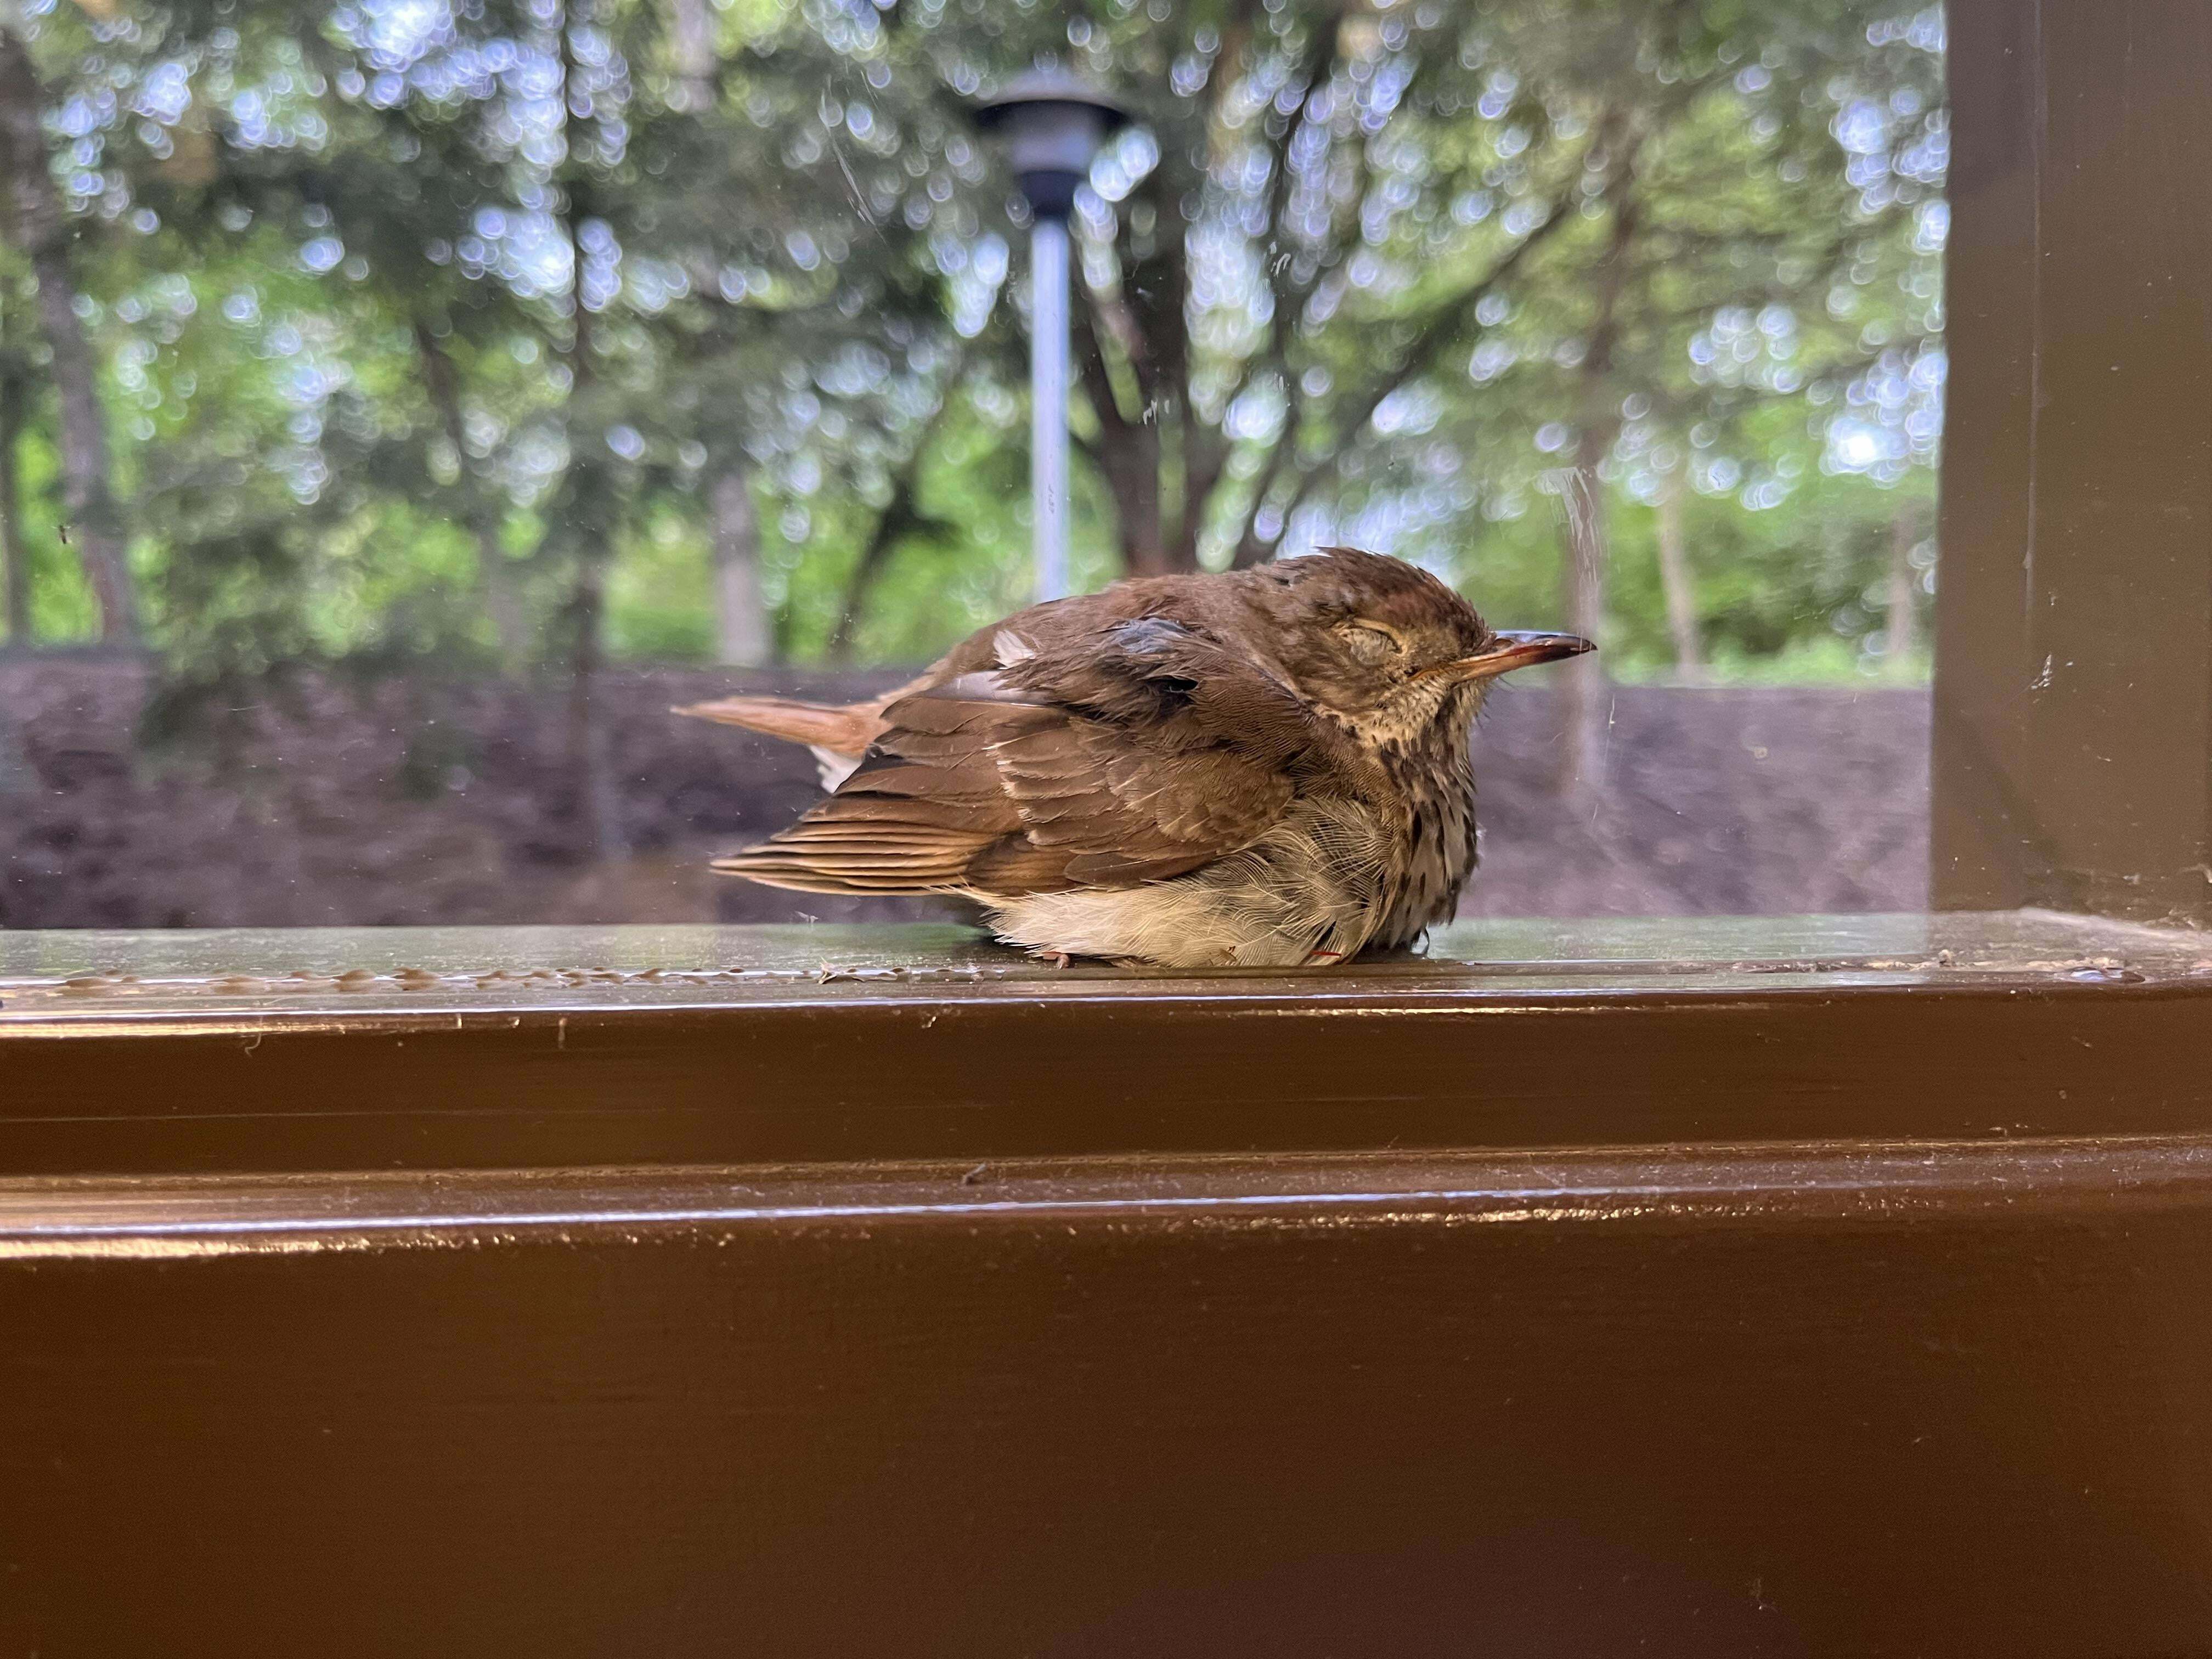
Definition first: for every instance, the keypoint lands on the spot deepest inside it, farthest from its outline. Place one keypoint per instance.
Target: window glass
(405, 403)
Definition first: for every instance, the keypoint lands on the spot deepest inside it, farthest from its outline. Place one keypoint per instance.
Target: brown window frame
(2072, 689)
(2073, 716)
(1773, 1284)
(2074, 655)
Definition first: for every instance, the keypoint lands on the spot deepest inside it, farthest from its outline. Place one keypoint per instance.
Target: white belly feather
(1312, 889)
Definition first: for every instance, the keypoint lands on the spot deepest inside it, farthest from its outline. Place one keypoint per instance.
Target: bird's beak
(1509, 651)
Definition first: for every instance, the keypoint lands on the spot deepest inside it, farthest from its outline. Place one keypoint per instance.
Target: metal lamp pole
(1048, 403)
(1052, 125)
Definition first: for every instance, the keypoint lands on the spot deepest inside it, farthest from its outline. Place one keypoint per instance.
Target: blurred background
(404, 401)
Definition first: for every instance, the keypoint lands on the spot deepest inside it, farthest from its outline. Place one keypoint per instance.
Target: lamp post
(1051, 125)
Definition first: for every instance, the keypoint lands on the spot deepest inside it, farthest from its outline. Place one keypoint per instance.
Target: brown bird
(1264, 768)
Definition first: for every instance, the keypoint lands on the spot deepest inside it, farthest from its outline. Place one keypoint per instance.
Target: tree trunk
(693, 33)
(1676, 581)
(902, 517)
(742, 632)
(1585, 687)
(1900, 632)
(1127, 450)
(494, 580)
(1205, 457)
(1589, 713)
(41, 231)
(16, 776)
(899, 519)
(590, 747)
(589, 522)
(1129, 456)
(13, 554)
(496, 583)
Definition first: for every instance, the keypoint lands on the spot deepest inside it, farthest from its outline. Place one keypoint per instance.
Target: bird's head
(1386, 646)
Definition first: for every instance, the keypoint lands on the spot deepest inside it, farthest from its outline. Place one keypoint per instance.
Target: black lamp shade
(1051, 125)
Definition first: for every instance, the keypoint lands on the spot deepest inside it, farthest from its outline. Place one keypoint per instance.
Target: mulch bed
(322, 801)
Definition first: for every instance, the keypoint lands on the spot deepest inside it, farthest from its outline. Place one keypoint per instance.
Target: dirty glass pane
(404, 403)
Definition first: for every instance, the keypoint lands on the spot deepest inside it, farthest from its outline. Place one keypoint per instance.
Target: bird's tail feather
(868, 843)
(812, 867)
(843, 728)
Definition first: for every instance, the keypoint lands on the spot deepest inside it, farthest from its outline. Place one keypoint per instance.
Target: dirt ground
(321, 801)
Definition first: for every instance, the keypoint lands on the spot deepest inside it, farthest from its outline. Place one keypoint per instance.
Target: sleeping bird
(1264, 768)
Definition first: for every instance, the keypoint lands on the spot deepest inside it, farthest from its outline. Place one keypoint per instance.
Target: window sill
(273, 1052)
(671, 1299)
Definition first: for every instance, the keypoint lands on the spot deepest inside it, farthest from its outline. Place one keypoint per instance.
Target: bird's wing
(1140, 753)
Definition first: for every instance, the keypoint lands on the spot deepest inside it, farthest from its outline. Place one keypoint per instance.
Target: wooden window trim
(2073, 729)
(2073, 716)
(311, 1050)
(1723, 1288)
(1707, 1288)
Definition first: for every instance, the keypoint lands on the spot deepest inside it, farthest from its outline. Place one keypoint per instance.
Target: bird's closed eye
(1371, 643)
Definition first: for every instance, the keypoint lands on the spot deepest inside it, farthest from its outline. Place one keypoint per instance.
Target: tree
(43, 234)
(1676, 581)
(1709, 283)
(511, 334)
(16, 382)
(741, 636)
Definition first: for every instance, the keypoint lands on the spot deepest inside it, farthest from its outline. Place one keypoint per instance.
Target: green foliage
(62, 605)
(428, 329)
